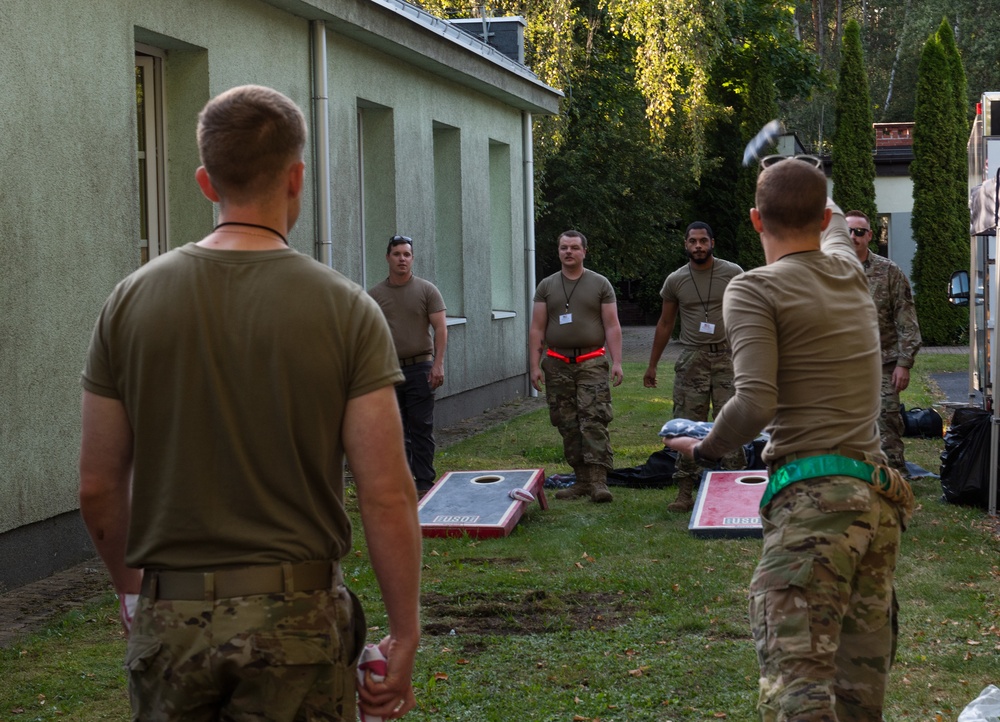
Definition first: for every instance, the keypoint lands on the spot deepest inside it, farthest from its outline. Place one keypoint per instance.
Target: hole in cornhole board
(728, 505)
(480, 503)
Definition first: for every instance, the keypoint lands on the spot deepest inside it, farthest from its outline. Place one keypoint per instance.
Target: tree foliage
(959, 93)
(760, 108)
(764, 63)
(854, 141)
(677, 41)
(939, 231)
(624, 192)
(893, 34)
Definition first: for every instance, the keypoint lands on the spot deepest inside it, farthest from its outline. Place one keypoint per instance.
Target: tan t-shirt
(408, 308)
(805, 354)
(583, 299)
(698, 294)
(235, 368)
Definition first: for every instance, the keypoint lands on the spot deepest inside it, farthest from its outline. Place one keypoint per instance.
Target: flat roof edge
(411, 33)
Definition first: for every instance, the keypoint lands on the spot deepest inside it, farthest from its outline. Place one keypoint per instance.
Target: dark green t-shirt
(234, 368)
(408, 309)
(574, 309)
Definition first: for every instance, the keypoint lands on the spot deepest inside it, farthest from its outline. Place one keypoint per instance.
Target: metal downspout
(991, 490)
(528, 152)
(321, 144)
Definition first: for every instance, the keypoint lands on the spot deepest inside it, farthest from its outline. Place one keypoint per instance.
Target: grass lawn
(601, 612)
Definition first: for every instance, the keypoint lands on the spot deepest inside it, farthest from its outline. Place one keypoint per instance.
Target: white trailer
(982, 277)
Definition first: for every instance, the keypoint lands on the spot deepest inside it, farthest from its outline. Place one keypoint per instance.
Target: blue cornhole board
(728, 504)
(479, 503)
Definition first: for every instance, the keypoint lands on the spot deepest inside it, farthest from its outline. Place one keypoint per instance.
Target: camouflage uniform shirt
(897, 316)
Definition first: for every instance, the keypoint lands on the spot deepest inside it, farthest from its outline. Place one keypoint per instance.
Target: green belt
(811, 467)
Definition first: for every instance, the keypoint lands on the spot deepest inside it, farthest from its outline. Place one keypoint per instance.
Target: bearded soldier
(703, 374)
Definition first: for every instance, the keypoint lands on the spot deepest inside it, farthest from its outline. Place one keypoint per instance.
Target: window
(448, 217)
(501, 228)
(151, 154)
(377, 165)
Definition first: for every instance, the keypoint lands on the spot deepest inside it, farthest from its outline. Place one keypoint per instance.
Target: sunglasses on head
(401, 239)
(815, 161)
(859, 231)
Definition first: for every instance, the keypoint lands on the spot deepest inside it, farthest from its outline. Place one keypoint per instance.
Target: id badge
(707, 327)
(565, 318)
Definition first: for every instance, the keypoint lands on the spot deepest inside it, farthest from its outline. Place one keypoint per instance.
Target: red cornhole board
(479, 503)
(728, 504)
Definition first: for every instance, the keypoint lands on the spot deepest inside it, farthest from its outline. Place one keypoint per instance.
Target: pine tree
(854, 139)
(959, 90)
(939, 231)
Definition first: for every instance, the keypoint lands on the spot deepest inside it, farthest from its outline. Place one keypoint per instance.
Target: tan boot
(683, 502)
(580, 488)
(599, 493)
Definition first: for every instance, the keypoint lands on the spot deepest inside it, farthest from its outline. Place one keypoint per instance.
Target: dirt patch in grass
(533, 612)
(30, 607)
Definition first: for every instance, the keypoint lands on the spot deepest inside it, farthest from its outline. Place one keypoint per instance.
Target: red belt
(575, 359)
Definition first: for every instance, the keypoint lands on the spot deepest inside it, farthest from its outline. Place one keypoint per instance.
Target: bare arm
(373, 440)
(661, 337)
(440, 325)
(105, 485)
(613, 340)
(536, 338)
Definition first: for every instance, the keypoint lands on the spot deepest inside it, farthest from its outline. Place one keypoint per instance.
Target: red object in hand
(373, 662)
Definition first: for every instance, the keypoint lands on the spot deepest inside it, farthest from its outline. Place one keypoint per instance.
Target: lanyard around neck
(706, 301)
(570, 294)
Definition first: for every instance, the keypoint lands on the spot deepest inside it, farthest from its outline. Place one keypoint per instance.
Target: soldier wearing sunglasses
(899, 333)
(414, 307)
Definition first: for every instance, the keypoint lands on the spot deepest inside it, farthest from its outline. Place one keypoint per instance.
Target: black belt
(716, 347)
(226, 583)
(416, 359)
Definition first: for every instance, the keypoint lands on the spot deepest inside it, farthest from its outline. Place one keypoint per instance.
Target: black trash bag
(754, 451)
(965, 461)
(656, 473)
(921, 423)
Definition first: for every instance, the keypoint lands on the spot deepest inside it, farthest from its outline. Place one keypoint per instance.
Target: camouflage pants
(271, 657)
(703, 378)
(579, 400)
(822, 605)
(890, 423)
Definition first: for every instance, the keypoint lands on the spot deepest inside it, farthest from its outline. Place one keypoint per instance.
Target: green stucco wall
(69, 188)
(481, 350)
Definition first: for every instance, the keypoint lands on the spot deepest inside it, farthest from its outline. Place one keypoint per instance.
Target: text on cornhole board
(480, 503)
(728, 504)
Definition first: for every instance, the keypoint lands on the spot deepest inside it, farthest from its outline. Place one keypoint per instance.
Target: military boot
(599, 493)
(684, 501)
(580, 488)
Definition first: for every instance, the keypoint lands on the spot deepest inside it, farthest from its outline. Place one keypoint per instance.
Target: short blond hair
(791, 196)
(247, 137)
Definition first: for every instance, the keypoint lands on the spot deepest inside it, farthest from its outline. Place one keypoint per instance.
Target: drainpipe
(528, 152)
(321, 144)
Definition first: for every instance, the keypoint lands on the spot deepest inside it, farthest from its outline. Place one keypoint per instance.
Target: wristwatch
(702, 461)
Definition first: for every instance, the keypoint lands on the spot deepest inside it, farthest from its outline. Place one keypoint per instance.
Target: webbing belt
(226, 583)
(416, 359)
(811, 467)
